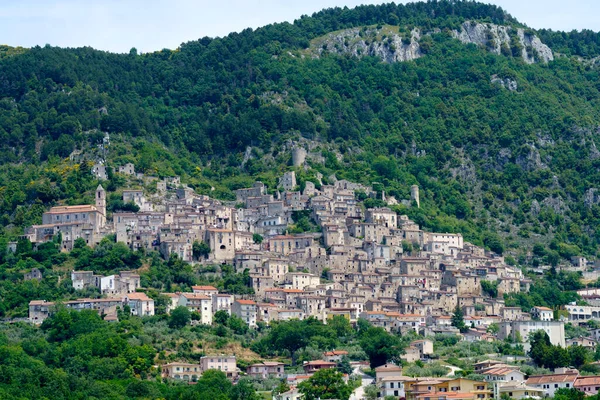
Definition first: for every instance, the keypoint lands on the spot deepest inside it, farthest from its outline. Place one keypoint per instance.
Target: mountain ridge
(459, 122)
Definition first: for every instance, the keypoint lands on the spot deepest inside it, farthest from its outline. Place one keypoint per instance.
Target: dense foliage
(547, 355)
(487, 159)
(552, 290)
(513, 170)
(76, 355)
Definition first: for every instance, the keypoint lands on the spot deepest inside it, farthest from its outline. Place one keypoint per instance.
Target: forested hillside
(504, 151)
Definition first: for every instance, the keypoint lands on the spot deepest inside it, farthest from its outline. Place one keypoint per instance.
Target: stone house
(246, 310)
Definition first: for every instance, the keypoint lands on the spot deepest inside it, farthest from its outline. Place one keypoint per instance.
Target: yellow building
(444, 388)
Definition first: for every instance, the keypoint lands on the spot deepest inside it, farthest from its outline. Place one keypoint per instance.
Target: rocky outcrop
(556, 204)
(506, 83)
(591, 198)
(531, 161)
(392, 45)
(500, 39)
(489, 35)
(389, 46)
(541, 52)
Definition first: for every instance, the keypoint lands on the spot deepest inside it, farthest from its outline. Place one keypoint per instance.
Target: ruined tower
(414, 195)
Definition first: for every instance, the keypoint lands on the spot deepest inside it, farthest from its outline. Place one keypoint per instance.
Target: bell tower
(101, 203)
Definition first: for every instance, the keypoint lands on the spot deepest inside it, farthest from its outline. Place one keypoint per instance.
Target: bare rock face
(389, 44)
(531, 161)
(591, 198)
(535, 207)
(506, 83)
(498, 37)
(369, 42)
(557, 204)
(488, 35)
(466, 172)
(397, 50)
(531, 41)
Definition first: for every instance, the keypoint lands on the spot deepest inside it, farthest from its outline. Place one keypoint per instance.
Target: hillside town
(349, 260)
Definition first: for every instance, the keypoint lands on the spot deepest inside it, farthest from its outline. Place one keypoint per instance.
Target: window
(556, 385)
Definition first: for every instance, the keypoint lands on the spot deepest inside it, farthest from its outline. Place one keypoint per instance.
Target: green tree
(244, 390)
(344, 366)
(493, 328)
(213, 385)
(569, 394)
(237, 325)
(282, 387)
(341, 326)
(325, 384)
(490, 288)
(458, 320)
(380, 346)
(371, 392)
(578, 356)
(200, 249)
(221, 317)
(257, 238)
(289, 336)
(180, 317)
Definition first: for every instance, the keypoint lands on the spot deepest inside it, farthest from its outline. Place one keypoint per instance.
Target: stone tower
(298, 156)
(101, 203)
(414, 195)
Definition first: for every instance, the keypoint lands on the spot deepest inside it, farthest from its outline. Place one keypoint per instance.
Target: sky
(150, 25)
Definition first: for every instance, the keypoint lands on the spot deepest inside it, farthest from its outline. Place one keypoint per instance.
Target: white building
(246, 310)
(222, 302)
(140, 304)
(199, 303)
(542, 313)
(300, 280)
(554, 329)
(582, 313)
(564, 379)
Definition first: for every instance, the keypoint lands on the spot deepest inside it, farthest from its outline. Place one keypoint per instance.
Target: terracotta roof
(447, 395)
(39, 303)
(71, 209)
(267, 364)
(335, 353)
(247, 302)
(554, 378)
(500, 370)
(138, 296)
(587, 381)
(195, 296)
(397, 378)
(204, 288)
(320, 362)
(388, 367)
(181, 364)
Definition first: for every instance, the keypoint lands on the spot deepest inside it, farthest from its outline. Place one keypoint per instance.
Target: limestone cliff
(505, 40)
(393, 43)
(386, 43)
